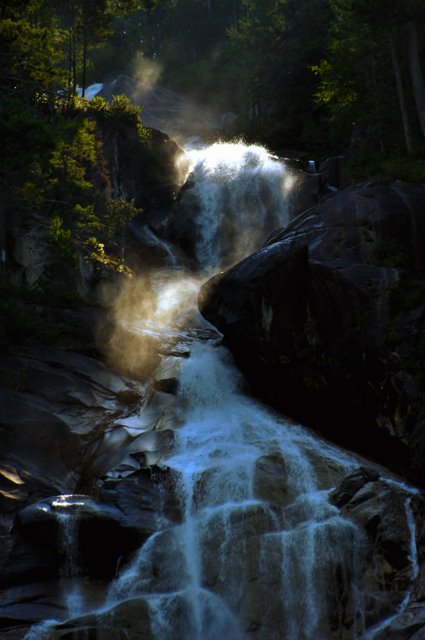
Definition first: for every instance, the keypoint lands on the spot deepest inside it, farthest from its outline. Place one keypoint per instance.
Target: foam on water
(224, 438)
(241, 194)
(257, 532)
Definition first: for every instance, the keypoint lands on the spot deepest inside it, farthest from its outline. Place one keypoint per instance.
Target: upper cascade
(240, 193)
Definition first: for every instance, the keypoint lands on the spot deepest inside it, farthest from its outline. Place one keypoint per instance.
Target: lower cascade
(268, 538)
(258, 549)
(259, 540)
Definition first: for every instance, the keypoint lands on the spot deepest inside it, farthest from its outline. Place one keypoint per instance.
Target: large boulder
(54, 405)
(391, 574)
(327, 320)
(151, 171)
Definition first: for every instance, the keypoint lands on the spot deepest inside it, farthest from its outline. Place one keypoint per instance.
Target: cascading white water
(260, 551)
(232, 536)
(68, 527)
(63, 508)
(42, 631)
(240, 190)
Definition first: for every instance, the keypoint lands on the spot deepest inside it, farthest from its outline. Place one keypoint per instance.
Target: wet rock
(43, 525)
(131, 618)
(409, 625)
(389, 515)
(166, 375)
(38, 442)
(270, 479)
(155, 179)
(351, 484)
(146, 498)
(29, 604)
(55, 407)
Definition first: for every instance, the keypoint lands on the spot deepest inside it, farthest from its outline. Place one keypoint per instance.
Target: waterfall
(68, 526)
(42, 631)
(286, 539)
(259, 551)
(65, 510)
(240, 192)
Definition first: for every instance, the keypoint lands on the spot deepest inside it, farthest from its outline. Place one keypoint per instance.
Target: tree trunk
(84, 49)
(377, 106)
(416, 72)
(84, 70)
(74, 63)
(400, 92)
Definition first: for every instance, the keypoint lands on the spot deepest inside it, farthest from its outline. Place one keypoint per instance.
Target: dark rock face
(392, 520)
(54, 404)
(327, 320)
(150, 173)
(96, 524)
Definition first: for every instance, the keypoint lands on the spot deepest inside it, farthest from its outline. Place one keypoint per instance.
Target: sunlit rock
(166, 375)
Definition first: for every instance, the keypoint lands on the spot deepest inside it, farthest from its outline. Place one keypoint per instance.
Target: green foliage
(74, 153)
(409, 169)
(31, 53)
(27, 140)
(366, 164)
(297, 39)
(23, 320)
(60, 240)
(64, 173)
(389, 253)
(16, 379)
(365, 52)
(119, 212)
(85, 219)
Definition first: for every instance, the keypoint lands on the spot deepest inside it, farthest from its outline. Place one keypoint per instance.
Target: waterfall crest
(240, 192)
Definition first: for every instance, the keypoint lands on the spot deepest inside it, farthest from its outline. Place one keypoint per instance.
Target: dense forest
(320, 77)
(304, 74)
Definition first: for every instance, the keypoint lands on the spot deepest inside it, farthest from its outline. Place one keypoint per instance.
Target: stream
(259, 550)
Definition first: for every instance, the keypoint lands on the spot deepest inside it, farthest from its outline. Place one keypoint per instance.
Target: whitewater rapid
(241, 193)
(258, 551)
(225, 437)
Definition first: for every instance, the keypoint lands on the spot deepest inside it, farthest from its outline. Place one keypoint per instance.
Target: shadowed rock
(327, 320)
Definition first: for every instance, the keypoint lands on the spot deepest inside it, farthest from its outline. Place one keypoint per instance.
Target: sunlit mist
(289, 182)
(146, 71)
(236, 197)
(148, 312)
(230, 157)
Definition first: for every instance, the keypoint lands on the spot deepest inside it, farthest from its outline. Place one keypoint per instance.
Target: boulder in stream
(326, 320)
